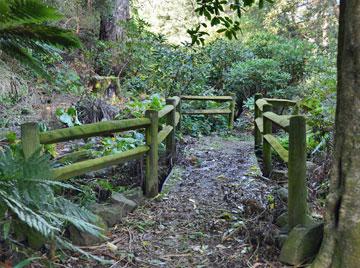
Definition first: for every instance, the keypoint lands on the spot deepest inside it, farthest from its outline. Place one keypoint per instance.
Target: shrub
(222, 55)
(292, 54)
(257, 75)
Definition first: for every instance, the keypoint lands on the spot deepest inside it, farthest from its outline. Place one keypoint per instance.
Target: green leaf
(26, 262)
(66, 119)
(6, 229)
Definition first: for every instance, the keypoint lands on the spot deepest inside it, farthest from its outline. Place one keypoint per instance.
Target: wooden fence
(295, 158)
(230, 112)
(32, 139)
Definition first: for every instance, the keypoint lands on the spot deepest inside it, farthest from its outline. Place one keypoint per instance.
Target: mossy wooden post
(170, 140)
(232, 114)
(266, 146)
(179, 110)
(151, 184)
(257, 133)
(30, 138)
(297, 201)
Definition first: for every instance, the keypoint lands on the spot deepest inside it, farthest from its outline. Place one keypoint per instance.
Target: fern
(27, 193)
(23, 31)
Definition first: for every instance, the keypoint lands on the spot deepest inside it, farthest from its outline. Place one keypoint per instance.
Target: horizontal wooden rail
(164, 111)
(176, 100)
(210, 111)
(275, 144)
(164, 133)
(208, 98)
(282, 121)
(281, 102)
(90, 130)
(99, 163)
(260, 104)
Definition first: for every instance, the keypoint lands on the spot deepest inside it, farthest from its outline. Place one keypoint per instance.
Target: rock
(135, 194)
(283, 193)
(81, 238)
(118, 208)
(282, 220)
(279, 175)
(302, 244)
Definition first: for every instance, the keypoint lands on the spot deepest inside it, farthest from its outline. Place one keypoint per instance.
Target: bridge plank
(260, 103)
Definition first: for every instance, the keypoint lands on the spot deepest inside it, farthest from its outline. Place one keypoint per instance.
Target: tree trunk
(110, 24)
(341, 245)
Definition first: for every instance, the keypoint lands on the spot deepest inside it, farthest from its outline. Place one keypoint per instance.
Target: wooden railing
(230, 112)
(295, 158)
(32, 139)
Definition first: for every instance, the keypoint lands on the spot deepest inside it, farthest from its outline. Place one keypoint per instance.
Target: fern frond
(28, 216)
(23, 31)
(17, 12)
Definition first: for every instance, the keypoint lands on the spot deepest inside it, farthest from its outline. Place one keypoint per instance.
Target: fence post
(170, 139)
(297, 204)
(30, 138)
(232, 113)
(151, 184)
(179, 110)
(266, 146)
(257, 133)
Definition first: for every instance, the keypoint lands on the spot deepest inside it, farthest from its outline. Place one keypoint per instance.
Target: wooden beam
(282, 121)
(98, 163)
(177, 118)
(164, 111)
(164, 133)
(90, 130)
(259, 124)
(151, 183)
(176, 100)
(281, 102)
(30, 138)
(275, 144)
(210, 111)
(260, 104)
(208, 98)
(267, 161)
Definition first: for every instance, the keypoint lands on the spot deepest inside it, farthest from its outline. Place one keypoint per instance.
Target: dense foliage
(274, 55)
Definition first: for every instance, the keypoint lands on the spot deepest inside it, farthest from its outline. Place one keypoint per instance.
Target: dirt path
(216, 212)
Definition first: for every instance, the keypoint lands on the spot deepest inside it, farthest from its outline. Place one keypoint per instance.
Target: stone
(113, 212)
(282, 193)
(81, 238)
(302, 244)
(282, 220)
(279, 175)
(135, 194)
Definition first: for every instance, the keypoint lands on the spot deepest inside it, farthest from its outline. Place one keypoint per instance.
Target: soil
(215, 210)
